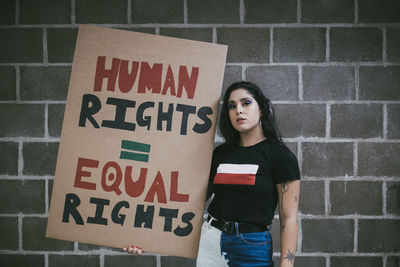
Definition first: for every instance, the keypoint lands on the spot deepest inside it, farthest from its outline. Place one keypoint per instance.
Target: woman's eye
(231, 106)
(245, 103)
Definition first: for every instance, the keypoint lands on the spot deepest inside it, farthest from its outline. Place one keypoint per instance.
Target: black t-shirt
(244, 181)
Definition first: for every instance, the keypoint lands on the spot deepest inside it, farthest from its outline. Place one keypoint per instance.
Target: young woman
(251, 173)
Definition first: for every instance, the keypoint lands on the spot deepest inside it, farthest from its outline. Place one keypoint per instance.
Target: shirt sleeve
(286, 167)
(213, 169)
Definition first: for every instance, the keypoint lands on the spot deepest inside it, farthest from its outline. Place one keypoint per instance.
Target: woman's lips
(240, 120)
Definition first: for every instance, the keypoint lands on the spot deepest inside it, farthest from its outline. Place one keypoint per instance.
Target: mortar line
(73, 15)
(46, 196)
(16, 12)
(46, 121)
(20, 232)
(242, 12)
(301, 89)
(157, 30)
(355, 235)
(158, 260)
(185, 13)
(300, 155)
(328, 120)
(46, 260)
(327, 198)
(271, 45)
(298, 14)
(328, 45)
(244, 69)
(356, 11)
(384, 198)
(385, 121)
(355, 161)
(300, 236)
(384, 45)
(129, 12)
(18, 84)
(101, 260)
(357, 80)
(214, 35)
(45, 55)
(20, 158)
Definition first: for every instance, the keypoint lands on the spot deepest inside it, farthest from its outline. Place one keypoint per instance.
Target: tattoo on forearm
(284, 189)
(289, 256)
(296, 198)
(282, 228)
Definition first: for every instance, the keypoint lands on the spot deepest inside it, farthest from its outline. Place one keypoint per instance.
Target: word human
(150, 78)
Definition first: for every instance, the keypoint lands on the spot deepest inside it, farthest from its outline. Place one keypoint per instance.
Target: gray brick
(292, 147)
(272, 11)
(139, 29)
(312, 198)
(7, 83)
(168, 261)
(8, 260)
(356, 120)
(301, 261)
(377, 159)
(44, 83)
(331, 11)
(328, 235)
(50, 190)
(378, 235)
(21, 120)
(350, 198)
(245, 44)
(101, 11)
(277, 82)
(379, 11)
(393, 44)
(45, 12)
(299, 44)
(305, 120)
(23, 45)
(328, 83)
(210, 11)
(166, 11)
(61, 44)
(393, 197)
(129, 260)
(197, 34)
(356, 261)
(43, 165)
(379, 83)
(8, 158)
(232, 74)
(393, 261)
(356, 44)
(22, 196)
(74, 260)
(327, 159)
(275, 233)
(9, 233)
(34, 232)
(88, 247)
(7, 12)
(393, 121)
(56, 116)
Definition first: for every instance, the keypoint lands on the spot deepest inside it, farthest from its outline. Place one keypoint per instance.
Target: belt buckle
(228, 227)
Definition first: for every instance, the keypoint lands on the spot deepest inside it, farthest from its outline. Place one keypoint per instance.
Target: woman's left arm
(288, 205)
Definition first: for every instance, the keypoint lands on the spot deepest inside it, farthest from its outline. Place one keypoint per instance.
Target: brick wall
(332, 69)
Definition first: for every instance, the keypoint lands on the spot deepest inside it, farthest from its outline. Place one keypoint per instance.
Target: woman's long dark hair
(270, 130)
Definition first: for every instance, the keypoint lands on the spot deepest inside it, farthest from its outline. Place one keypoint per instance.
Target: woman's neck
(249, 139)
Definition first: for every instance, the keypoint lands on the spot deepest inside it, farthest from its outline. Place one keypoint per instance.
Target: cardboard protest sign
(137, 140)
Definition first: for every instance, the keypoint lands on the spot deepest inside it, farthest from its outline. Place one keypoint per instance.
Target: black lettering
(144, 121)
(186, 110)
(71, 202)
(186, 218)
(164, 116)
(145, 217)
(98, 217)
(87, 112)
(169, 214)
(116, 216)
(119, 121)
(202, 114)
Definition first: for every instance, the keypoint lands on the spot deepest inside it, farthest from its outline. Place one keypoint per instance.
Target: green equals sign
(137, 147)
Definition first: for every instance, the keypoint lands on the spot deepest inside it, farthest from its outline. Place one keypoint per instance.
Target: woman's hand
(135, 250)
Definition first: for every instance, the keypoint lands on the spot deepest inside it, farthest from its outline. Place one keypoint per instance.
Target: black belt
(229, 226)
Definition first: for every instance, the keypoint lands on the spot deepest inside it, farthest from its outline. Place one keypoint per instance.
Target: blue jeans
(219, 249)
(248, 249)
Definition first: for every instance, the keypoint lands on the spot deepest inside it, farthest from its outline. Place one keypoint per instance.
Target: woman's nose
(239, 109)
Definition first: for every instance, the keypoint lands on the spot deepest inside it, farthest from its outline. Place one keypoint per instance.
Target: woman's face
(244, 111)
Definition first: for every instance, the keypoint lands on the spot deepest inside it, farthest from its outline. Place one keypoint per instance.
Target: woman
(251, 173)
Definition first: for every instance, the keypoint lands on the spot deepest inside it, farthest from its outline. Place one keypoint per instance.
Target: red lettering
(116, 177)
(169, 82)
(135, 189)
(126, 79)
(82, 162)
(150, 78)
(157, 188)
(102, 73)
(188, 82)
(174, 195)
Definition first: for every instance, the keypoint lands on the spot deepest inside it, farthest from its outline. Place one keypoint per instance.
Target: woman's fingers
(134, 250)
